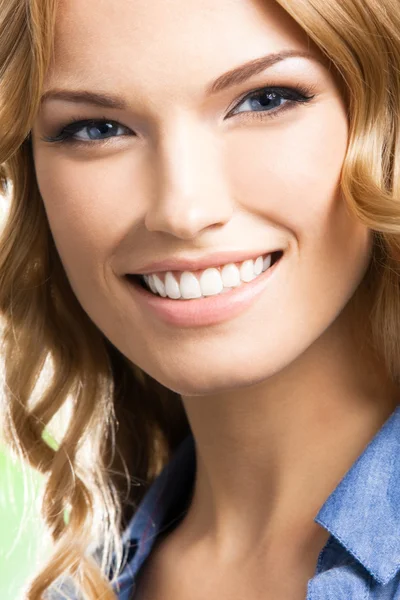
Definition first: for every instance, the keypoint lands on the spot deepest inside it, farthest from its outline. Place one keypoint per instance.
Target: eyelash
(294, 95)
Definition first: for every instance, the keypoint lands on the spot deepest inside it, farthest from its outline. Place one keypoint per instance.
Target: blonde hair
(131, 423)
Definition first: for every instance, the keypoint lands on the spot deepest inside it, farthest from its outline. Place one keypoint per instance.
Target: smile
(187, 285)
(204, 311)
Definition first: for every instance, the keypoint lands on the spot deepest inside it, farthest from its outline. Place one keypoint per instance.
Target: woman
(204, 239)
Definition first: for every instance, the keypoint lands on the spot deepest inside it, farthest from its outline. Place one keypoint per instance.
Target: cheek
(88, 208)
(289, 170)
(290, 177)
(93, 209)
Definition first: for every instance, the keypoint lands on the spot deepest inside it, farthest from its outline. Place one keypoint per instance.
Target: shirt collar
(362, 513)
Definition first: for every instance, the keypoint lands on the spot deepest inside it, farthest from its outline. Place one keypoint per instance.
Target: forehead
(111, 42)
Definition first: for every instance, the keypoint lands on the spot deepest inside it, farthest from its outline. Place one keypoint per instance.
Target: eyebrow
(233, 77)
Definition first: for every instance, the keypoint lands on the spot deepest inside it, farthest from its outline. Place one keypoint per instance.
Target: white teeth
(190, 286)
(212, 281)
(150, 283)
(159, 285)
(258, 265)
(172, 286)
(247, 271)
(266, 262)
(230, 276)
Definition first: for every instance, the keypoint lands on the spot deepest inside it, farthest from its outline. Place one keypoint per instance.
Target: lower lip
(203, 311)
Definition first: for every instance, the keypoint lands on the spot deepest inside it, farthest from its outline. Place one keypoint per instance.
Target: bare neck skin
(269, 456)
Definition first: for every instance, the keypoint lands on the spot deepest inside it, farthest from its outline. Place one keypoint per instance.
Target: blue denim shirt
(361, 559)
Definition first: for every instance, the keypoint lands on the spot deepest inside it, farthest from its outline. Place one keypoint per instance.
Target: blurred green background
(22, 539)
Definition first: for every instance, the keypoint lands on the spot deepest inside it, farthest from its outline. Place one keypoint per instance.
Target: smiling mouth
(139, 279)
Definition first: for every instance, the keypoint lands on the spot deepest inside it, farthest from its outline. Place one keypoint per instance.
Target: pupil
(265, 99)
(104, 128)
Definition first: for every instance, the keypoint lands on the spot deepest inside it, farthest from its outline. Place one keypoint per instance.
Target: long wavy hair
(124, 425)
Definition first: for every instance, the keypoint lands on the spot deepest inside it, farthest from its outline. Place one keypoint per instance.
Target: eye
(89, 131)
(272, 100)
(99, 130)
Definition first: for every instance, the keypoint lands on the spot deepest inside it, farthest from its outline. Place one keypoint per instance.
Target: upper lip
(215, 259)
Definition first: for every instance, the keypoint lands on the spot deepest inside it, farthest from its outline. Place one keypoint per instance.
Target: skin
(284, 397)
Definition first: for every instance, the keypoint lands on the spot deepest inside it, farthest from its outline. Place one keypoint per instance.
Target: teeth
(266, 262)
(150, 283)
(172, 286)
(190, 286)
(160, 287)
(230, 275)
(212, 281)
(247, 271)
(258, 265)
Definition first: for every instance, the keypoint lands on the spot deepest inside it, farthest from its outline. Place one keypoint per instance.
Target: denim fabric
(361, 559)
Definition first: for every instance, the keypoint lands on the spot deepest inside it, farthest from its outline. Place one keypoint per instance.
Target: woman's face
(185, 172)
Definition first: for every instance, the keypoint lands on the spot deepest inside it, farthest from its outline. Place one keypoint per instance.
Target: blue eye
(261, 104)
(89, 131)
(98, 130)
(268, 101)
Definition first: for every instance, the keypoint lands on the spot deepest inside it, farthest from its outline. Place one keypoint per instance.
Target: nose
(191, 187)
